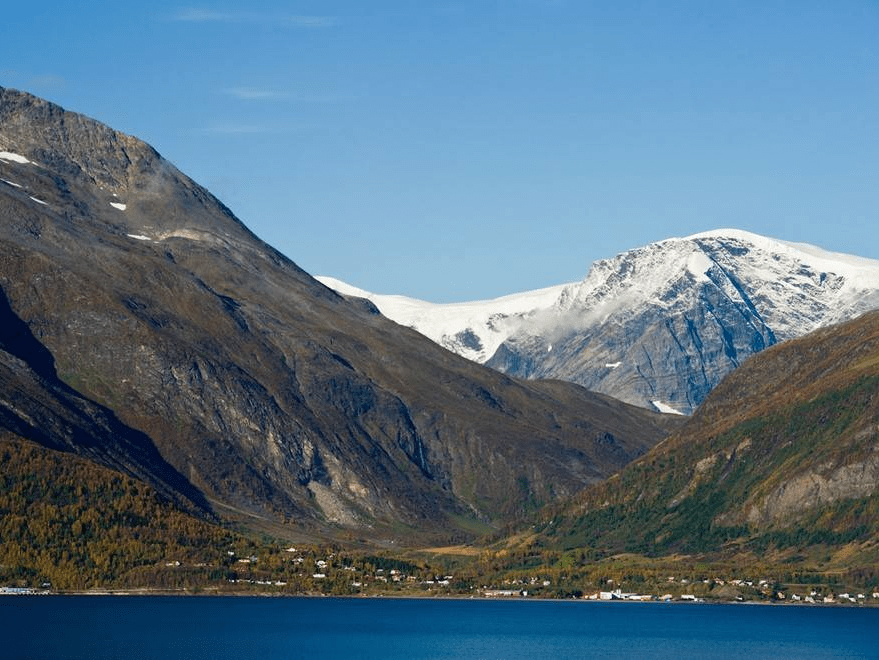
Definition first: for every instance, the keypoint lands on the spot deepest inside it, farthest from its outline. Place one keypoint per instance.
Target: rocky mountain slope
(783, 458)
(147, 328)
(658, 326)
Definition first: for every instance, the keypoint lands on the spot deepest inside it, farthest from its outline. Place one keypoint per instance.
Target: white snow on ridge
(698, 263)
(118, 205)
(664, 408)
(38, 201)
(491, 322)
(11, 183)
(139, 237)
(797, 287)
(793, 287)
(848, 265)
(15, 158)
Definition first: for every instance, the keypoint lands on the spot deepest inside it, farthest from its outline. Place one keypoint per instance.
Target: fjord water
(227, 627)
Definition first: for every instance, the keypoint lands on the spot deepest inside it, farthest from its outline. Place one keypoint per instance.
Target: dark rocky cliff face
(225, 373)
(675, 356)
(36, 404)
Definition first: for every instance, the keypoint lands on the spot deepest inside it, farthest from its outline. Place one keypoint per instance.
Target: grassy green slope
(780, 462)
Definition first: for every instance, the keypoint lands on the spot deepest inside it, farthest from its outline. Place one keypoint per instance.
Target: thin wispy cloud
(309, 21)
(236, 128)
(233, 127)
(200, 15)
(246, 93)
(253, 94)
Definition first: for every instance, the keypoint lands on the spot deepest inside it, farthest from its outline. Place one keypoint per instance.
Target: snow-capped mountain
(658, 326)
(472, 329)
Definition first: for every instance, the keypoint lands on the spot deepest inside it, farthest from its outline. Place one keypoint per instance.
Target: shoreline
(204, 593)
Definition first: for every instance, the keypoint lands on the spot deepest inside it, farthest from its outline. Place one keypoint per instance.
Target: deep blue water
(265, 628)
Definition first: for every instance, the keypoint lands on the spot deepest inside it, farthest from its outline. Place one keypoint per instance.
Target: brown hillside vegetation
(781, 461)
(793, 372)
(75, 525)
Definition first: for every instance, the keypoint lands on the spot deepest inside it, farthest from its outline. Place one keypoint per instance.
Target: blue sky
(457, 150)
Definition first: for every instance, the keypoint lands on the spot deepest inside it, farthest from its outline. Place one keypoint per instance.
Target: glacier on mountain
(660, 323)
(474, 330)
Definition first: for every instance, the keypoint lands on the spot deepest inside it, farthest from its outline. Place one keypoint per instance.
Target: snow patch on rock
(665, 408)
(13, 157)
(698, 264)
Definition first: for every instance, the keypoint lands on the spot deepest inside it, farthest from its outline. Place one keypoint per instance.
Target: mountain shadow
(38, 405)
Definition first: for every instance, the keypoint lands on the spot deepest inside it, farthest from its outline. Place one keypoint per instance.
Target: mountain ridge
(657, 326)
(272, 395)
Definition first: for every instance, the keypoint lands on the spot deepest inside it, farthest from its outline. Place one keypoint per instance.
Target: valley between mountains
(176, 396)
(140, 307)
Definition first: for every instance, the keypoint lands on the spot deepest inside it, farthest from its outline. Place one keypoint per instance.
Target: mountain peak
(147, 312)
(130, 184)
(672, 317)
(73, 144)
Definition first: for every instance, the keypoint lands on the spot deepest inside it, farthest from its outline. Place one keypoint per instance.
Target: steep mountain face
(782, 456)
(36, 404)
(154, 332)
(657, 326)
